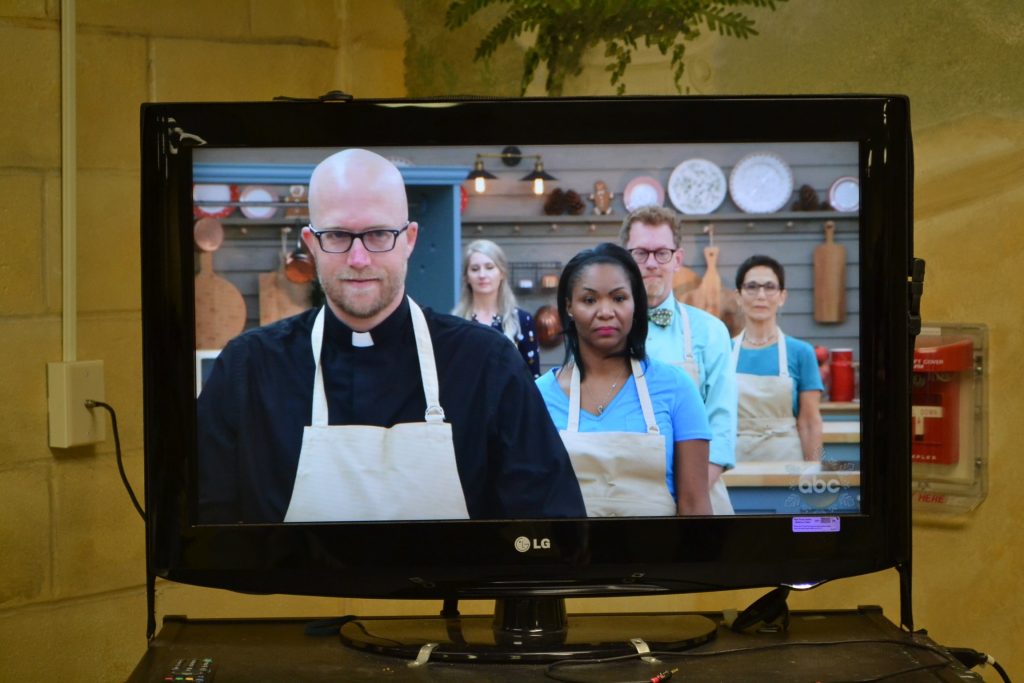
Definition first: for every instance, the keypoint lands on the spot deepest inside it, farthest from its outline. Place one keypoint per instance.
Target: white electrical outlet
(69, 386)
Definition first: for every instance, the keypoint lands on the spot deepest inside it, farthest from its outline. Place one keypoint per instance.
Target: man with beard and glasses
(370, 408)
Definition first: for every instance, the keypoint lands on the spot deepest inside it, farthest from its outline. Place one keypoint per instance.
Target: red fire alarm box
(935, 399)
(948, 414)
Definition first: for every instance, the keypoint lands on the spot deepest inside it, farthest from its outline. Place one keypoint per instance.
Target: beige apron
(361, 472)
(767, 429)
(621, 474)
(721, 504)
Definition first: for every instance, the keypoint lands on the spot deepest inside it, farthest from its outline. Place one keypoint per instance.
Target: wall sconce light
(479, 175)
(538, 176)
(510, 156)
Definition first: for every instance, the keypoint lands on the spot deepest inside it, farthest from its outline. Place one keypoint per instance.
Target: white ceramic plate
(761, 183)
(643, 191)
(259, 196)
(206, 196)
(844, 195)
(697, 186)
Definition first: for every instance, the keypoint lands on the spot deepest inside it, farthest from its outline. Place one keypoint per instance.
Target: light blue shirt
(716, 379)
(678, 409)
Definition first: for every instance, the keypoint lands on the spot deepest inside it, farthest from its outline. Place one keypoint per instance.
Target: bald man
(370, 408)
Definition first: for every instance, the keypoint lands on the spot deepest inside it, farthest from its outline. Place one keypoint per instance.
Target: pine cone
(555, 204)
(807, 199)
(574, 203)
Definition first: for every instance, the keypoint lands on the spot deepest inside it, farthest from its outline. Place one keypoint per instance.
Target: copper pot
(298, 265)
(208, 234)
(549, 327)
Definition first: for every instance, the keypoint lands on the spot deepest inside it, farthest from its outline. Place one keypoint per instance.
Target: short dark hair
(612, 254)
(760, 260)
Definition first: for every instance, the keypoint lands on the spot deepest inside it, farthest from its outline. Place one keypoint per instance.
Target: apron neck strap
(783, 356)
(424, 350)
(428, 367)
(684, 318)
(641, 389)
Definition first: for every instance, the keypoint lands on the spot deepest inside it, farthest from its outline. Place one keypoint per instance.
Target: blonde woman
(487, 298)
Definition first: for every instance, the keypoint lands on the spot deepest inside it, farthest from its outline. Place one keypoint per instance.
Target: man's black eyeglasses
(663, 255)
(337, 241)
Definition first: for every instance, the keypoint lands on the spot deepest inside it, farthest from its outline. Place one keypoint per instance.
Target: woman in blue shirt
(635, 429)
(777, 376)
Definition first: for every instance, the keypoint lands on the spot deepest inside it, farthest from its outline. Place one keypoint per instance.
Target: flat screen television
(223, 189)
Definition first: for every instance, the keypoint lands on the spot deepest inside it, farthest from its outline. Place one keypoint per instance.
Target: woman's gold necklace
(762, 342)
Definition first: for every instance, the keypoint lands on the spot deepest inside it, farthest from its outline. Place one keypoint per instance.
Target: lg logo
(524, 544)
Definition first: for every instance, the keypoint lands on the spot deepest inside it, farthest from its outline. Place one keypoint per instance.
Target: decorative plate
(697, 186)
(643, 191)
(207, 196)
(259, 197)
(844, 195)
(761, 183)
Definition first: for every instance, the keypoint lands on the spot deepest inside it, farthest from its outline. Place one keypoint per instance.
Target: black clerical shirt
(258, 398)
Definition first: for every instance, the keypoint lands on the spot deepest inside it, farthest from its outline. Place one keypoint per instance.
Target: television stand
(527, 630)
(819, 645)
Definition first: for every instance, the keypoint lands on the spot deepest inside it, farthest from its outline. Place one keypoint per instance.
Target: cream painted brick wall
(116, 339)
(30, 106)
(30, 9)
(238, 71)
(22, 289)
(28, 344)
(111, 86)
(95, 526)
(375, 24)
(219, 20)
(108, 242)
(25, 537)
(305, 20)
(84, 640)
(200, 603)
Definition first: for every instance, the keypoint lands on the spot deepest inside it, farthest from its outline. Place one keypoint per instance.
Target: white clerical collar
(361, 339)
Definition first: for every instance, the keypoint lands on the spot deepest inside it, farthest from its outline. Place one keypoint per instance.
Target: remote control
(191, 671)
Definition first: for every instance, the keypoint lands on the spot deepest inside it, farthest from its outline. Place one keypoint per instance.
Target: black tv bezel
(478, 559)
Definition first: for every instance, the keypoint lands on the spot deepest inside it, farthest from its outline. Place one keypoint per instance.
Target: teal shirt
(800, 361)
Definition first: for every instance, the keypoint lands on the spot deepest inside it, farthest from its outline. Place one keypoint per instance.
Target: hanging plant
(566, 29)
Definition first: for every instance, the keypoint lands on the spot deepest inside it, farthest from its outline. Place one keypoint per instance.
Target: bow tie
(662, 317)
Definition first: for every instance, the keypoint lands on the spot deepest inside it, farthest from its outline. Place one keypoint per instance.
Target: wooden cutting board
(684, 281)
(280, 297)
(220, 308)
(708, 295)
(829, 279)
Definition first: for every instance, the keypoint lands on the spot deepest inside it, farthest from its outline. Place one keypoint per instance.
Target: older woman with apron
(777, 377)
(635, 429)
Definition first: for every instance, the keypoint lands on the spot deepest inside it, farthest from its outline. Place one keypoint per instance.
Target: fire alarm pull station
(948, 418)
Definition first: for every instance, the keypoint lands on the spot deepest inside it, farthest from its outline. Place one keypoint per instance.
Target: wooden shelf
(731, 217)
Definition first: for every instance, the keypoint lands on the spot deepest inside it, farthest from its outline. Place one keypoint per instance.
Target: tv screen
(818, 185)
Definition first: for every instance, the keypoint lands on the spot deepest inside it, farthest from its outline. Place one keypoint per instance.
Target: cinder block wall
(72, 557)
